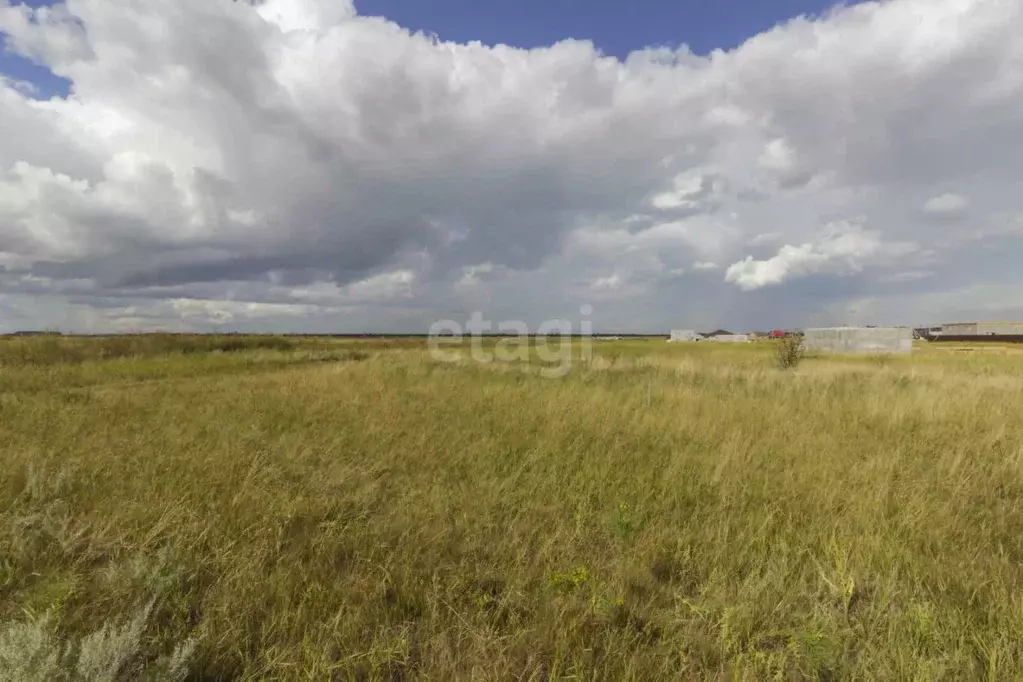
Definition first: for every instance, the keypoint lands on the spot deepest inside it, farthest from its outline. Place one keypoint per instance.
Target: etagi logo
(552, 342)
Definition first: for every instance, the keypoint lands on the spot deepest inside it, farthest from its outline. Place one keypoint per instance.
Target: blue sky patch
(616, 28)
(45, 83)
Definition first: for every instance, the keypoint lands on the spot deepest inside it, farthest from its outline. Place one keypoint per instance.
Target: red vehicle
(777, 334)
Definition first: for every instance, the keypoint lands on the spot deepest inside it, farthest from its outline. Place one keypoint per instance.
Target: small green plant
(625, 522)
(790, 351)
(569, 582)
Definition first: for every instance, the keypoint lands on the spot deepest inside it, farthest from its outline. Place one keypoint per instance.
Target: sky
(615, 28)
(324, 166)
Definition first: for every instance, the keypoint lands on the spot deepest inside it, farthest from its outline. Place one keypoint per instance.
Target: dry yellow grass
(662, 512)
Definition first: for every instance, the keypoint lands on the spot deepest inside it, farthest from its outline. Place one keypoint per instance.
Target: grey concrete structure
(678, 335)
(730, 338)
(893, 340)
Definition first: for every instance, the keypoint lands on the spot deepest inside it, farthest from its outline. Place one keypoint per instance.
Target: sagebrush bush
(29, 652)
(790, 351)
(33, 652)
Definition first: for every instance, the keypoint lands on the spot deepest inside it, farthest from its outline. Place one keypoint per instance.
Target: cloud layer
(297, 166)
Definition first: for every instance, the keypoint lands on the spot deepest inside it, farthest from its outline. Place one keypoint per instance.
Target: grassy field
(230, 509)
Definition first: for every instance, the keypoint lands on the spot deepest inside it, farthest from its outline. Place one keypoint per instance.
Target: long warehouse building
(982, 329)
(976, 332)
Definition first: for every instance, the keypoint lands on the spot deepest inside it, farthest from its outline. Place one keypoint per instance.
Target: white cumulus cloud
(844, 247)
(946, 203)
(311, 168)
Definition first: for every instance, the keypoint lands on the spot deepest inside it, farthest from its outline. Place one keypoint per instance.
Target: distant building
(725, 336)
(681, 335)
(982, 329)
(926, 333)
(975, 332)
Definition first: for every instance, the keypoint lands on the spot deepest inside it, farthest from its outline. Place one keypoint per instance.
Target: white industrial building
(891, 340)
(679, 335)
